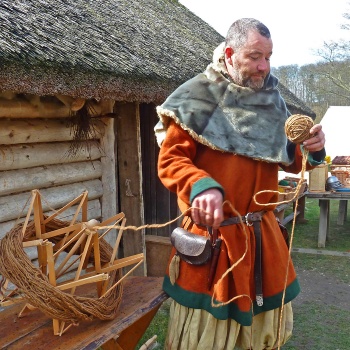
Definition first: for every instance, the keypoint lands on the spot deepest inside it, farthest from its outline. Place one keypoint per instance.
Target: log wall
(35, 153)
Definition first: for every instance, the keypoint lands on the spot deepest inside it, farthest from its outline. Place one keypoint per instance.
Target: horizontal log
(16, 206)
(34, 106)
(42, 154)
(16, 181)
(21, 108)
(93, 212)
(16, 131)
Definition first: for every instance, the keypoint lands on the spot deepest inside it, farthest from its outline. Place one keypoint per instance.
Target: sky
(298, 28)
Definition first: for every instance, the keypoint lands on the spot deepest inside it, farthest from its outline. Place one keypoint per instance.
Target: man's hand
(317, 140)
(207, 208)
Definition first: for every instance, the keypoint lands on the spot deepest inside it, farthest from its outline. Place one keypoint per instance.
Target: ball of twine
(297, 127)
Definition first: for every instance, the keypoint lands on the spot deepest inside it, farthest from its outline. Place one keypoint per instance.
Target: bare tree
(336, 67)
(325, 83)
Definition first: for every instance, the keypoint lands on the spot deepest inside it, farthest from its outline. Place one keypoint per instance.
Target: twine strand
(304, 159)
(297, 129)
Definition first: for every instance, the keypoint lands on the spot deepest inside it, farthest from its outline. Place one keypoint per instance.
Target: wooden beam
(15, 181)
(14, 206)
(26, 131)
(109, 198)
(43, 154)
(130, 176)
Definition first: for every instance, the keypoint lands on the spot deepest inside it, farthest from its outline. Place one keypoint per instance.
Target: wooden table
(299, 212)
(141, 299)
(324, 203)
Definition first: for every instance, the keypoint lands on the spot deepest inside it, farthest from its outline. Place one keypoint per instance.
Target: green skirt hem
(203, 301)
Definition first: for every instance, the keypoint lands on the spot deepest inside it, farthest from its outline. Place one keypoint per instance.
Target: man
(224, 141)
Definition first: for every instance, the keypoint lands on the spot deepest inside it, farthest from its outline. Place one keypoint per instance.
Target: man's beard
(239, 79)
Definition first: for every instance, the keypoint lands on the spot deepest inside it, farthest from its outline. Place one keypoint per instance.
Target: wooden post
(110, 193)
(128, 145)
(343, 208)
(324, 222)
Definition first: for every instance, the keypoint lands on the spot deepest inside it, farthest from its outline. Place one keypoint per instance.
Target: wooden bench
(142, 297)
(300, 212)
(324, 204)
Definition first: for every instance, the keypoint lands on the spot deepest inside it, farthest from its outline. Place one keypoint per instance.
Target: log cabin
(79, 83)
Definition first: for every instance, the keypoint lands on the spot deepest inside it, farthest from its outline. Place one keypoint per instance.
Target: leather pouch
(192, 248)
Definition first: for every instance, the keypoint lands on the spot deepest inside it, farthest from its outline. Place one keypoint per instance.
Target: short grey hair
(238, 32)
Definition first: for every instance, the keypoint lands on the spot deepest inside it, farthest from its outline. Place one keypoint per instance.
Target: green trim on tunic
(204, 184)
(203, 301)
(310, 158)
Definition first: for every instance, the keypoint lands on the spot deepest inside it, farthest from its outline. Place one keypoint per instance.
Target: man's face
(250, 65)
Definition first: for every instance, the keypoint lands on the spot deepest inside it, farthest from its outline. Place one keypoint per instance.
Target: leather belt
(248, 219)
(252, 219)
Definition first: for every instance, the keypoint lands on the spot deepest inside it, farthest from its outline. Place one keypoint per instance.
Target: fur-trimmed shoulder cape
(228, 117)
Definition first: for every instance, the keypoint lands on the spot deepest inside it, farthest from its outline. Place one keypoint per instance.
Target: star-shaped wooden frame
(80, 238)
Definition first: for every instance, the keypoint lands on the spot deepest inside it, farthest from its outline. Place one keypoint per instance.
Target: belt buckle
(247, 219)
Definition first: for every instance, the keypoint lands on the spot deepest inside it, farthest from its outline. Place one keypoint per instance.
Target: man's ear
(228, 54)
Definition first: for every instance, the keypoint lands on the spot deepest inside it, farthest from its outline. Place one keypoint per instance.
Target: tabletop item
(342, 189)
(333, 184)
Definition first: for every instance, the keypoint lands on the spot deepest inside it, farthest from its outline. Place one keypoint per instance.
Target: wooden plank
(301, 209)
(42, 154)
(22, 108)
(141, 295)
(289, 218)
(15, 206)
(158, 250)
(33, 130)
(33, 106)
(343, 208)
(324, 222)
(130, 176)
(328, 195)
(280, 209)
(150, 151)
(129, 338)
(25, 131)
(109, 198)
(16, 181)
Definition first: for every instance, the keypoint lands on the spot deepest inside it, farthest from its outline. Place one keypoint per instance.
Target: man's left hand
(317, 140)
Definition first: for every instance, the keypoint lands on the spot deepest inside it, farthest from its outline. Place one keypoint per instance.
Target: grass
(158, 326)
(306, 235)
(319, 324)
(316, 325)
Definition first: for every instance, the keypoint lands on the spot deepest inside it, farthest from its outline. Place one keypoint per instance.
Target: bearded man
(222, 140)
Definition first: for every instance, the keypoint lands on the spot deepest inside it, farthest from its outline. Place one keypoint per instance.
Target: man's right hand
(207, 208)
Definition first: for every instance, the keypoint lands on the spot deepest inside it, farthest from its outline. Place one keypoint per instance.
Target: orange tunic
(182, 162)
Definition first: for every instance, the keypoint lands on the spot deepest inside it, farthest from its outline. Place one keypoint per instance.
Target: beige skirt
(195, 329)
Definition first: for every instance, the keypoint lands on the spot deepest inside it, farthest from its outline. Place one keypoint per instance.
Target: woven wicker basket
(342, 172)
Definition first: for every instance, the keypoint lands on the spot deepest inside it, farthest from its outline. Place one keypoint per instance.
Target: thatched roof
(294, 104)
(123, 50)
(111, 49)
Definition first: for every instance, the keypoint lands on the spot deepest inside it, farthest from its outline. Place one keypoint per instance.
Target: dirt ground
(325, 289)
(321, 312)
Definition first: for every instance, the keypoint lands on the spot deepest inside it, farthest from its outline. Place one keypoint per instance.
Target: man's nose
(263, 65)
